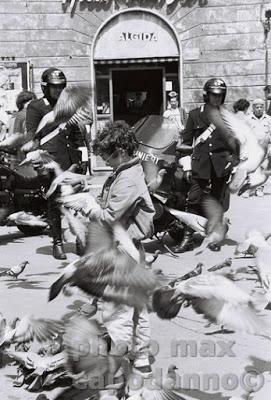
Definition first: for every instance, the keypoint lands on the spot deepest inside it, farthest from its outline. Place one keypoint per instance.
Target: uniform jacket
(125, 198)
(64, 146)
(214, 152)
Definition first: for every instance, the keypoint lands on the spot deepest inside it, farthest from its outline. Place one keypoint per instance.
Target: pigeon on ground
(27, 329)
(225, 264)
(110, 270)
(195, 272)
(237, 132)
(14, 271)
(216, 297)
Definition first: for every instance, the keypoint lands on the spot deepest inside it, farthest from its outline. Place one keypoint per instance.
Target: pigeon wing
(29, 359)
(214, 212)
(86, 350)
(29, 328)
(78, 201)
(99, 236)
(124, 242)
(227, 125)
(77, 226)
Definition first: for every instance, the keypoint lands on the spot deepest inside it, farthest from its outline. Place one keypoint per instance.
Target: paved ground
(231, 372)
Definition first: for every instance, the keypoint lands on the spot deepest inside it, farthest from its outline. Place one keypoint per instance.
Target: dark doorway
(137, 93)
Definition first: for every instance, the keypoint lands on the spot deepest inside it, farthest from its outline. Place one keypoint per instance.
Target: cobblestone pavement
(210, 372)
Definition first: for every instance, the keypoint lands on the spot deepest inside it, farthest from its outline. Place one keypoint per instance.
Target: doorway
(137, 93)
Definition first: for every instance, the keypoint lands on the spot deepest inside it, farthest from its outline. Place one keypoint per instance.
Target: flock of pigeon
(112, 269)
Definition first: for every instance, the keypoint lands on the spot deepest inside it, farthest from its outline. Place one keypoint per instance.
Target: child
(125, 198)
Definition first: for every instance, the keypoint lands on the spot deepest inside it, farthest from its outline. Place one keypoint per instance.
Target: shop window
(103, 99)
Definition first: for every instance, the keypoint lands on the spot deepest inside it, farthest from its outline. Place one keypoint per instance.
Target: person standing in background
(261, 119)
(176, 114)
(267, 93)
(17, 125)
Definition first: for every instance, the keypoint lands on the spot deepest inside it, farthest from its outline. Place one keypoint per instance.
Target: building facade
(131, 53)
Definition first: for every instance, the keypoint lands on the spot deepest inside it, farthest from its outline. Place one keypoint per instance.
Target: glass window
(103, 100)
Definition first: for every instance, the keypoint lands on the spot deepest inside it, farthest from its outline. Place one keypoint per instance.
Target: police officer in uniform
(208, 168)
(63, 147)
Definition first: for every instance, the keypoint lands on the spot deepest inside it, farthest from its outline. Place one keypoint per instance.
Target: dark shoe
(186, 244)
(58, 252)
(214, 247)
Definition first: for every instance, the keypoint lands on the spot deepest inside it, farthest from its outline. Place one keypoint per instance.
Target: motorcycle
(157, 138)
(21, 191)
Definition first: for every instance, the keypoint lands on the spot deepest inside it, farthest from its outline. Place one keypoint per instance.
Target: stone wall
(218, 37)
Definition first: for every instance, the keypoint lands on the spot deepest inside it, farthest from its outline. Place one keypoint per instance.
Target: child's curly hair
(114, 136)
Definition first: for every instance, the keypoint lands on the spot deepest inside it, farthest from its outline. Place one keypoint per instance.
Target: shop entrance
(136, 93)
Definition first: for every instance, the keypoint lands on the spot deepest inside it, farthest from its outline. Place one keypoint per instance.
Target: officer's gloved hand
(188, 176)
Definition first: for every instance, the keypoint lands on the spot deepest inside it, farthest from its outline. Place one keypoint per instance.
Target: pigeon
(77, 225)
(216, 297)
(27, 218)
(27, 329)
(39, 364)
(110, 270)
(88, 360)
(252, 142)
(74, 102)
(195, 272)
(86, 350)
(41, 157)
(14, 271)
(257, 244)
(156, 182)
(168, 389)
(255, 179)
(216, 226)
(196, 222)
(83, 202)
(225, 264)
(67, 177)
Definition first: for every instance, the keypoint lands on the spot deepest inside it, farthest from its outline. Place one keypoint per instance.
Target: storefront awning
(137, 60)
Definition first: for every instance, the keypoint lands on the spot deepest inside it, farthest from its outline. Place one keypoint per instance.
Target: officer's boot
(187, 242)
(58, 250)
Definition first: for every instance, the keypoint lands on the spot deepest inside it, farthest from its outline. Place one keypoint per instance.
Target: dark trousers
(53, 212)
(54, 217)
(215, 187)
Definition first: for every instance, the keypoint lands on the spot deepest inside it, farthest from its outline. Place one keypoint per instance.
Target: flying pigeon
(196, 222)
(216, 226)
(111, 270)
(216, 297)
(252, 142)
(27, 329)
(82, 202)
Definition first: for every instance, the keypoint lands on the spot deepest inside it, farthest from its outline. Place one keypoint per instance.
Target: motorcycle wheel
(30, 230)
